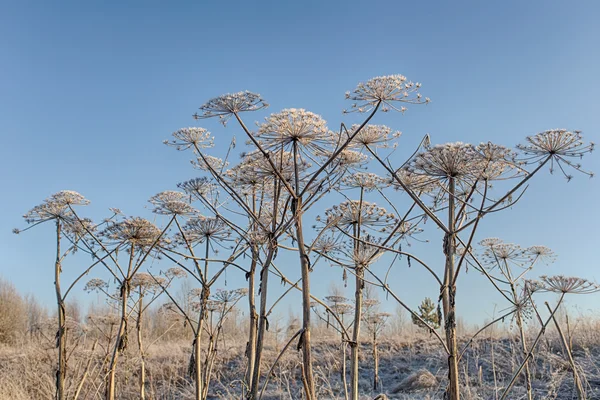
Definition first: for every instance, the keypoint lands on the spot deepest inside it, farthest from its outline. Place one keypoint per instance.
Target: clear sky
(88, 91)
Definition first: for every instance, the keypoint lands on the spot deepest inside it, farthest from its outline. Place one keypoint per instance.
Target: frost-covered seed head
(386, 90)
(365, 180)
(374, 136)
(351, 213)
(209, 163)
(542, 253)
(171, 203)
(568, 284)
(197, 186)
(137, 232)
(95, 284)
(226, 105)
(193, 138)
(175, 272)
(198, 230)
(561, 145)
(145, 282)
(57, 206)
(295, 125)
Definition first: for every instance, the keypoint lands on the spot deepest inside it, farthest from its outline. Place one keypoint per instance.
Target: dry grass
(411, 367)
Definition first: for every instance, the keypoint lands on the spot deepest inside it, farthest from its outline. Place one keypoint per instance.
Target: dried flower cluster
(194, 138)
(295, 127)
(137, 232)
(352, 213)
(56, 206)
(566, 284)
(560, 145)
(363, 180)
(373, 136)
(172, 203)
(387, 90)
(228, 104)
(198, 230)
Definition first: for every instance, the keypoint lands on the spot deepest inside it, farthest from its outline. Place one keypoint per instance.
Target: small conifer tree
(429, 313)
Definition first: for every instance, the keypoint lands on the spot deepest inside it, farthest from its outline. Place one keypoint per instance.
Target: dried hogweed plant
(245, 208)
(459, 194)
(72, 231)
(305, 160)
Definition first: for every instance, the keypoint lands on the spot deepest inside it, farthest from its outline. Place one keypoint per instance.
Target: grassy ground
(410, 368)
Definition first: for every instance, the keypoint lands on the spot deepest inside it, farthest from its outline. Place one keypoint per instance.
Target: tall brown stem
(449, 298)
(306, 342)
(61, 333)
(253, 323)
(297, 210)
(138, 326)
(375, 360)
(358, 303)
(262, 321)
(198, 376)
(120, 343)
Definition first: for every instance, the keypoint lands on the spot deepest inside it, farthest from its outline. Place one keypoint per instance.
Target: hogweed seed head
(415, 182)
(226, 105)
(95, 285)
(295, 125)
(505, 252)
(542, 253)
(197, 186)
(450, 160)
(326, 245)
(349, 159)
(490, 242)
(146, 282)
(208, 163)
(561, 145)
(342, 308)
(377, 321)
(137, 232)
(171, 202)
(568, 284)
(193, 138)
(374, 136)
(465, 163)
(175, 272)
(385, 90)
(370, 303)
(365, 180)
(198, 230)
(69, 197)
(229, 296)
(351, 213)
(57, 206)
(336, 299)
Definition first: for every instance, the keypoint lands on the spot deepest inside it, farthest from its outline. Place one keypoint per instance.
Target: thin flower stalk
(58, 208)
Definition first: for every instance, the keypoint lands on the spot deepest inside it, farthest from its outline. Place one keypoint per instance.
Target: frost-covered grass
(412, 366)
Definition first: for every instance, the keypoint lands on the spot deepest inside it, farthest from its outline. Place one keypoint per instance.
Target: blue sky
(88, 91)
